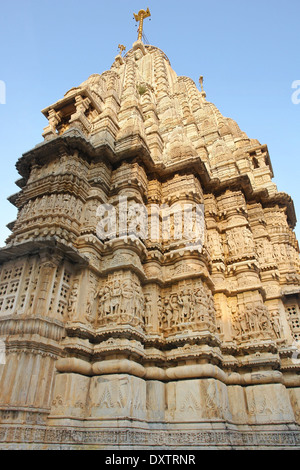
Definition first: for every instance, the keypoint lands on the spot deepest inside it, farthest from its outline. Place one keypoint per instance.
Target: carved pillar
(45, 284)
(54, 119)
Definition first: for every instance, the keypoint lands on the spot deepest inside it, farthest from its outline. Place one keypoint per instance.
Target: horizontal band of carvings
(195, 371)
(64, 183)
(86, 331)
(74, 138)
(60, 437)
(33, 325)
(33, 344)
(17, 250)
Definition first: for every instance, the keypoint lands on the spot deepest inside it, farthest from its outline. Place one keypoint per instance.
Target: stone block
(197, 400)
(69, 396)
(268, 404)
(237, 404)
(155, 400)
(117, 396)
(294, 394)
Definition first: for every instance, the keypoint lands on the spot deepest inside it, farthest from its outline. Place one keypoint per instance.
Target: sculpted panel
(189, 305)
(254, 320)
(121, 301)
(240, 242)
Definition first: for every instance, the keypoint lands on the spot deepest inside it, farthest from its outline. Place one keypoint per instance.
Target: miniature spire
(142, 14)
(201, 84)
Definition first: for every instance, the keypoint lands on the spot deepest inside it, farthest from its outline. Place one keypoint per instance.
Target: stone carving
(121, 302)
(148, 312)
(72, 300)
(190, 307)
(239, 241)
(255, 321)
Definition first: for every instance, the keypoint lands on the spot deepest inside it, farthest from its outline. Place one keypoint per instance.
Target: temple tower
(149, 290)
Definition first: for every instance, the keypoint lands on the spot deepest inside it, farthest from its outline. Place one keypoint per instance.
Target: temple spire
(142, 14)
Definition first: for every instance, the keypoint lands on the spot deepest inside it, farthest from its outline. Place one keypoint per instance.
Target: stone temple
(120, 328)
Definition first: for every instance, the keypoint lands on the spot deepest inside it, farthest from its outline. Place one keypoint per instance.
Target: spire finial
(201, 84)
(122, 49)
(142, 14)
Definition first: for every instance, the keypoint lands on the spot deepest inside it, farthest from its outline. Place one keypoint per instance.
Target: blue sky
(247, 51)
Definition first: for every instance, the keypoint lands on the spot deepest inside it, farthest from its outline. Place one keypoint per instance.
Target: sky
(247, 51)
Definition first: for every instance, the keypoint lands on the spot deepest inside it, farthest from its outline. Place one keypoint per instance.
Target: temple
(149, 289)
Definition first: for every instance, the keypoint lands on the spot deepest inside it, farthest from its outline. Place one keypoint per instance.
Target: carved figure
(73, 300)
(104, 305)
(115, 298)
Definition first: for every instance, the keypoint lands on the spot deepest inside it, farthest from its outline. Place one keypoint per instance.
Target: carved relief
(191, 306)
(264, 251)
(91, 300)
(267, 403)
(72, 302)
(255, 321)
(239, 241)
(121, 301)
(214, 244)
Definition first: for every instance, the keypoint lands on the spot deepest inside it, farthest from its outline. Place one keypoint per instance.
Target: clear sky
(247, 51)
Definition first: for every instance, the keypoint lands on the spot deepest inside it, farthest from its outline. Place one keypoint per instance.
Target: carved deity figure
(104, 302)
(254, 319)
(120, 302)
(239, 241)
(127, 298)
(185, 301)
(200, 304)
(72, 300)
(191, 306)
(89, 307)
(175, 308)
(115, 298)
(276, 326)
(148, 311)
(167, 313)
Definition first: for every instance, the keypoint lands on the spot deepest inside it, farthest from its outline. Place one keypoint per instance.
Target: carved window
(26, 285)
(58, 303)
(10, 280)
(293, 316)
(64, 290)
(255, 163)
(32, 291)
(3, 289)
(61, 307)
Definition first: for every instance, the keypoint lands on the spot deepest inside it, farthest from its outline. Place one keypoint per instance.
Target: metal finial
(142, 14)
(122, 48)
